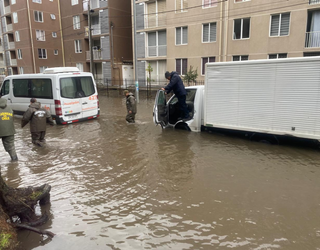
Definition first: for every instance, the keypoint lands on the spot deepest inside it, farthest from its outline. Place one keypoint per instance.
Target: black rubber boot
(13, 155)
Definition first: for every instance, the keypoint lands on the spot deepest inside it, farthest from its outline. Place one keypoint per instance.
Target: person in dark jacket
(176, 85)
(7, 130)
(38, 118)
(131, 106)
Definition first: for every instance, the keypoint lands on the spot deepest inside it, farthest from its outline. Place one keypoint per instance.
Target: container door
(70, 99)
(160, 114)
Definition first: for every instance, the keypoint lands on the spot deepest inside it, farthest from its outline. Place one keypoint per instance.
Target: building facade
(36, 34)
(174, 35)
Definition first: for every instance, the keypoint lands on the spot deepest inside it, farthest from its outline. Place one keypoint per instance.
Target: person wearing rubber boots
(7, 130)
(131, 106)
(38, 118)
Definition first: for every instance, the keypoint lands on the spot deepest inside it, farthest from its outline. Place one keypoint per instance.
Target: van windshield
(76, 87)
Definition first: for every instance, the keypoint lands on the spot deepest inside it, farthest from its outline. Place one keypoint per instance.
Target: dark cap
(33, 100)
(167, 74)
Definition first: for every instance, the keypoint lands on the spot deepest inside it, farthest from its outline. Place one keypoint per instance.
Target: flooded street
(135, 186)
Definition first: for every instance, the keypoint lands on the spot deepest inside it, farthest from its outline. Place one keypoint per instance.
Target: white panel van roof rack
(57, 70)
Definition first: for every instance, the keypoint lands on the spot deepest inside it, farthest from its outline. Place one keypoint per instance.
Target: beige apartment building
(36, 34)
(176, 34)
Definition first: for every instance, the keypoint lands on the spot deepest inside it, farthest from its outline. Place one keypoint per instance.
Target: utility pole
(135, 50)
(90, 38)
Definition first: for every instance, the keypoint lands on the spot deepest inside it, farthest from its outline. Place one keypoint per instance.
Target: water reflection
(133, 186)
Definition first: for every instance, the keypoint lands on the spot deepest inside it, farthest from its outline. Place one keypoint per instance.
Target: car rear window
(76, 87)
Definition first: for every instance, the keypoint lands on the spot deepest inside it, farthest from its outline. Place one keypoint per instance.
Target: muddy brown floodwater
(135, 186)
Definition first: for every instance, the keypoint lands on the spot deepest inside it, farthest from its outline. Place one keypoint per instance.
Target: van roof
(57, 70)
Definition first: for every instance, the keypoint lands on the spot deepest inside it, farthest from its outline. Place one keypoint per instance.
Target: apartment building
(31, 39)
(111, 40)
(174, 35)
(36, 34)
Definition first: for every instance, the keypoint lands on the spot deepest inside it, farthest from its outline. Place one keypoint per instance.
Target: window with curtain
(40, 35)
(241, 28)
(78, 47)
(280, 24)
(15, 17)
(181, 35)
(276, 56)
(42, 53)
(240, 58)
(209, 3)
(209, 32)
(206, 60)
(19, 54)
(313, 29)
(74, 2)
(76, 22)
(181, 5)
(38, 16)
(17, 35)
(182, 66)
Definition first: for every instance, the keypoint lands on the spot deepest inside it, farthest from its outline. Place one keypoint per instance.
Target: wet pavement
(135, 186)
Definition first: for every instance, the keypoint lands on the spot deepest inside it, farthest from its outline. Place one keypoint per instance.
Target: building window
(280, 24)
(53, 16)
(36, 1)
(181, 35)
(77, 45)
(40, 35)
(240, 58)
(241, 28)
(38, 16)
(54, 34)
(80, 66)
(76, 22)
(19, 52)
(204, 61)
(159, 69)
(182, 66)
(315, 53)
(313, 29)
(17, 35)
(13, 1)
(15, 17)
(74, 2)
(314, 1)
(42, 68)
(181, 5)
(209, 3)
(42, 53)
(209, 32)
(277, 56)
(157, 43)
(21, 70)
(55, 52)
(239, 1)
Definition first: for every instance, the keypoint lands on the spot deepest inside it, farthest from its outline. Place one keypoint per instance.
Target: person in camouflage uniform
(38, 117)
(131, 106)
(7, 130)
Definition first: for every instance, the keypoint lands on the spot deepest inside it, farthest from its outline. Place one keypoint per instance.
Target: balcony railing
(154, 51)
(9, 27)
(314, 1)
(96, 55)
(156, 21)
(13, 62)
(313, 39)
(7, 10)
(12, 45)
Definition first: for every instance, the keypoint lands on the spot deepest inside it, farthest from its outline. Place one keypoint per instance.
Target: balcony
(96, 55)
(9, 27)
(314, 1)
(12, 45)
(13, 62)
(7, 10)
(313, 39)
(154, 51)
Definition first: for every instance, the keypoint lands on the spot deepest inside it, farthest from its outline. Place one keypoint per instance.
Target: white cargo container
(278, 97)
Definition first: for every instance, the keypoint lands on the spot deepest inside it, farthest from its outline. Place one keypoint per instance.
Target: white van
(70, 95)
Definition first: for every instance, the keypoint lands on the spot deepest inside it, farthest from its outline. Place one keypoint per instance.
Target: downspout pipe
(31, 39)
